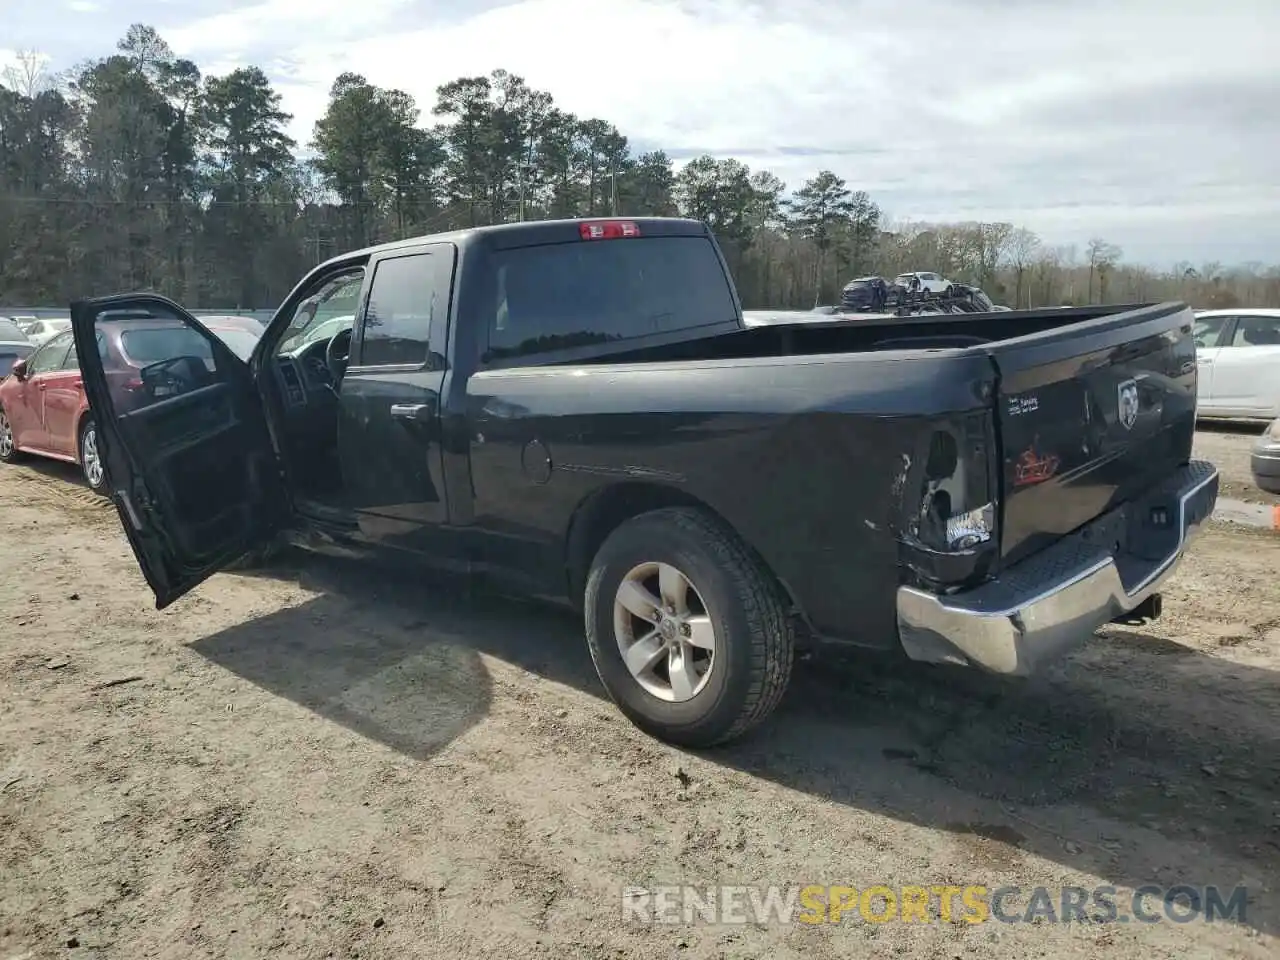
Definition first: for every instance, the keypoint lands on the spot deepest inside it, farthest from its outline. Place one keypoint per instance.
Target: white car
(929, 282)
(39, 329)
(1238, 360)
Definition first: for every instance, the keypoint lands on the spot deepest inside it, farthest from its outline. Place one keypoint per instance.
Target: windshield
(241, 342)
(319, 330)
(324, 313)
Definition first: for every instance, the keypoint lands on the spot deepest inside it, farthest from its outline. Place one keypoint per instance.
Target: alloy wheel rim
(664, 632)
(92, 461)
(6, 436)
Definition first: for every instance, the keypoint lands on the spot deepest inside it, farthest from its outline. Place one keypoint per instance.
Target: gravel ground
(313, 762)
(1228, 444)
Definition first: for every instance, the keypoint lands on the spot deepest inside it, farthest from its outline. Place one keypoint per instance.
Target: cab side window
(406, 297)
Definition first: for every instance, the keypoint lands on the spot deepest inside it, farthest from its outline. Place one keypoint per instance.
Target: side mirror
(19, 370)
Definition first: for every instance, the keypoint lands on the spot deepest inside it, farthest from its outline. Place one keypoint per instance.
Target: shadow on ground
(945, 749)
(58, 470)
(366, 660)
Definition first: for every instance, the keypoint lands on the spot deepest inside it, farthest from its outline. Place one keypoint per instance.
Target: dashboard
(304, 377)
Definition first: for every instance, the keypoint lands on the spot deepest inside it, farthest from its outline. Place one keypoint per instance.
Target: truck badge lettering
(1127, 403)
(1024, 404)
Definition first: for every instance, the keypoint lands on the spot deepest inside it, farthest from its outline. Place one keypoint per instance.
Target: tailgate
(1089, 415)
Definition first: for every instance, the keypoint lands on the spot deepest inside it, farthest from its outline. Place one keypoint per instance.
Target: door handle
(413, 411)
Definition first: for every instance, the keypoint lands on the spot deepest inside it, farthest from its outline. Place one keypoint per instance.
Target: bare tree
(1021, 250)
(28, 75)
(1102, 257)
(1048, 270)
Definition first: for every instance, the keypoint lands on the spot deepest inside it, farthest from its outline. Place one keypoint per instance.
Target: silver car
(1265, 460)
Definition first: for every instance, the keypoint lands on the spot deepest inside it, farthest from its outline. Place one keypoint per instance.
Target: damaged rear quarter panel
(805, 457)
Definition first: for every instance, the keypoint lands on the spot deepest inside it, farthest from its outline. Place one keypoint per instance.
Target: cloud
(1148, 121)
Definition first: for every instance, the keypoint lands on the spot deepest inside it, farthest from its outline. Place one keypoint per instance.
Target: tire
(728, 592)
(9, 452)
(91, 463)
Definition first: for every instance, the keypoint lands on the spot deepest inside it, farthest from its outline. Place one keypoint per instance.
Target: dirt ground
(316, 762)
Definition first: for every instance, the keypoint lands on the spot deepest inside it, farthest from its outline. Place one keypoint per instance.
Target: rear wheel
(91, 462)
(689, 634)
(8, 446)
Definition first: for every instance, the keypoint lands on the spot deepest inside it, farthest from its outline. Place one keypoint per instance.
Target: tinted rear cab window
(565, 295)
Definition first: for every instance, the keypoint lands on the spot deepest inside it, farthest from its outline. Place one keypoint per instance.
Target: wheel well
(606, 510)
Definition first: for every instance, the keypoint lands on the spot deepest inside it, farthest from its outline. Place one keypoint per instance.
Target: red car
(43, 409)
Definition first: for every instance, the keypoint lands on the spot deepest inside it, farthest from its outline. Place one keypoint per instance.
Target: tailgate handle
(413, 411)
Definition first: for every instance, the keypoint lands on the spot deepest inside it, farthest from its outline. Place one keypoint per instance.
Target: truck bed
(812, 334)
(1091, 405)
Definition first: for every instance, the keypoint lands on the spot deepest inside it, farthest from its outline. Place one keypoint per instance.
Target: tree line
(135, 171)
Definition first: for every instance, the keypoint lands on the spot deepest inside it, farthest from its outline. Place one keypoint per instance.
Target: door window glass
(408, 294)
(1257, 332)
(50, 356)
(71, 361)
(1207, 331)
(150, 355)
(147, 343)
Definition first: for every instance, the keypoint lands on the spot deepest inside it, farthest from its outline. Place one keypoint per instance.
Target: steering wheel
(337, 353)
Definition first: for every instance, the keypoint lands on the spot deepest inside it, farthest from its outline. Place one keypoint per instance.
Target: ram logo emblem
(1127, 403)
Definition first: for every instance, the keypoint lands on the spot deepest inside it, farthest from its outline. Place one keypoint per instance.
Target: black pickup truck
(577, 410)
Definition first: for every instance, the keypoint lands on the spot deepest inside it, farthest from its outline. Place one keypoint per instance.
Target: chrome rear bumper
(1043, 606)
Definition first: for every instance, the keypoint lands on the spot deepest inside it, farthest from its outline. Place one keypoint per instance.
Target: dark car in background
(14, 346)
(864, 293)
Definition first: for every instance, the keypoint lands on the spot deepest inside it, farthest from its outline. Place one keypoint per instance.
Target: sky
(1150, 123)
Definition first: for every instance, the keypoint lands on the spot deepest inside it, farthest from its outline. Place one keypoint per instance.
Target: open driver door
(183, 434)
